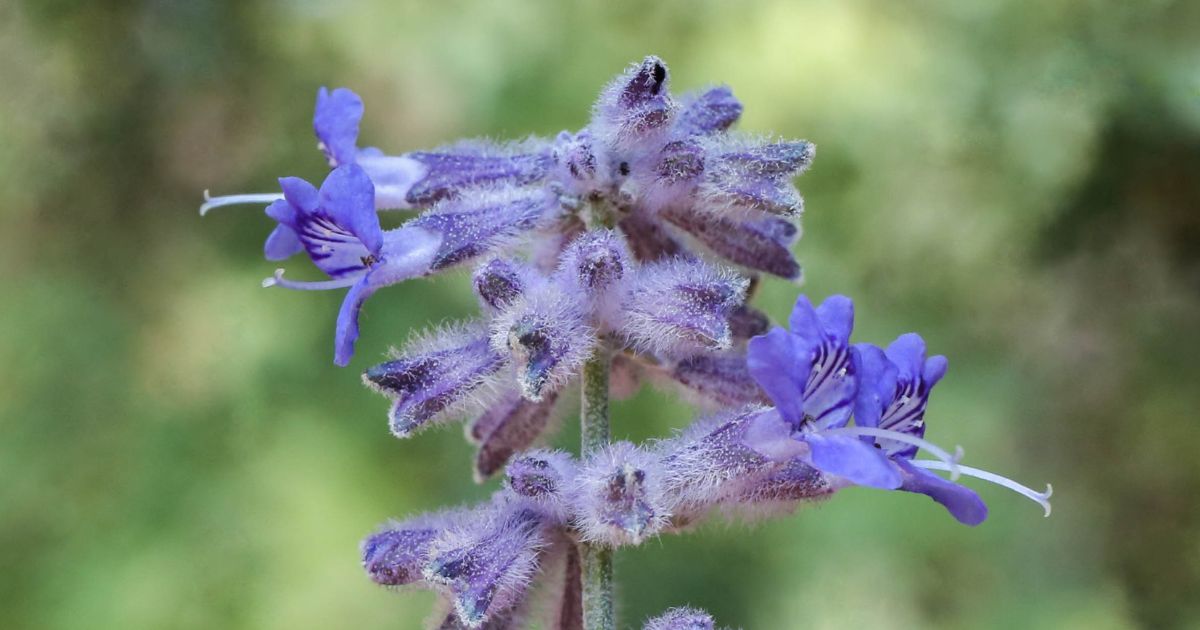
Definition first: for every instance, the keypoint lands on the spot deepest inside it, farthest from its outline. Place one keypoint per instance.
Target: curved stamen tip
(211, 202)
(1041, 498)
(278, 280)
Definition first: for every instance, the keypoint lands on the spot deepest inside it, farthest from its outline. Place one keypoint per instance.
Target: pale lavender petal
(282, 243)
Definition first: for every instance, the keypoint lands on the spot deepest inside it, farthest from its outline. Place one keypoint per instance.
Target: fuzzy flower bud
(678, 307)
(718, 379)
(544, 478)
(498, 283)
(709, 112)
(619, 497)
(637, 106)
(433, 376)
(594, 264)
(761, 244)
(487, 564)
(548, 338)
(509, 426)
(396, 554)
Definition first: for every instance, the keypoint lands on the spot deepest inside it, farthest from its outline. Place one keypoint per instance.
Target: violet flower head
(816, 380)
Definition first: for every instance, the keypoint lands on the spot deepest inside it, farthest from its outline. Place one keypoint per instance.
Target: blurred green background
(1019, 181)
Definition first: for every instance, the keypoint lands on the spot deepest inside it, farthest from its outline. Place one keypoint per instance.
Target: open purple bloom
(808, 373)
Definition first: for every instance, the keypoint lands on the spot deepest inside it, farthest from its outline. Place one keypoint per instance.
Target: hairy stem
(597, 560)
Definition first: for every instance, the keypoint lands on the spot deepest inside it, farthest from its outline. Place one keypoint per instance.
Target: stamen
(279, 281)
(231, 200)
(1041, 498)
(951, 461)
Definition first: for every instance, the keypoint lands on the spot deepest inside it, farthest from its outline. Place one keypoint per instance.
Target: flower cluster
(639, 238)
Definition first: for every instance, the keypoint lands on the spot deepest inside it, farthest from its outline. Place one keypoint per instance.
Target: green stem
(597, 560)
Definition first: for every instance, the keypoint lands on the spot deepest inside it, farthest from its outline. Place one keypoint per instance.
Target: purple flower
(816, 379)
(397, 553)
(545, 479)
(759, 244)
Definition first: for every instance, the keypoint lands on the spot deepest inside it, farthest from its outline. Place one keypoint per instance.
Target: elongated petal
(781, 362)
(852, 459)
(960, 501)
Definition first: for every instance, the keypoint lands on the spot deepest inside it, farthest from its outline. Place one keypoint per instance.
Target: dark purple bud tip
(681, 161)
(647, 83)
(536, 355)
(498, 283)
(395, 556)
(596, 261)
(531, 476)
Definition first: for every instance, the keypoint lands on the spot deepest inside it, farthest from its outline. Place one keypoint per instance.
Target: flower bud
(709, 112)
(434, 376)
(718, 379)
(619, 499)
(498, 283)
(488, 563)
(547, 336)
(509, 426)
(679, 307)
(762, 244)
(681, 619)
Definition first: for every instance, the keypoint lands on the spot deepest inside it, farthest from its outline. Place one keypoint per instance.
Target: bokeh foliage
(1018, 181)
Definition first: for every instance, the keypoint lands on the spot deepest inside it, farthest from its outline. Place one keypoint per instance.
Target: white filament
(951, 461)
(279, 281)
(232, 200)
(1041, 498)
